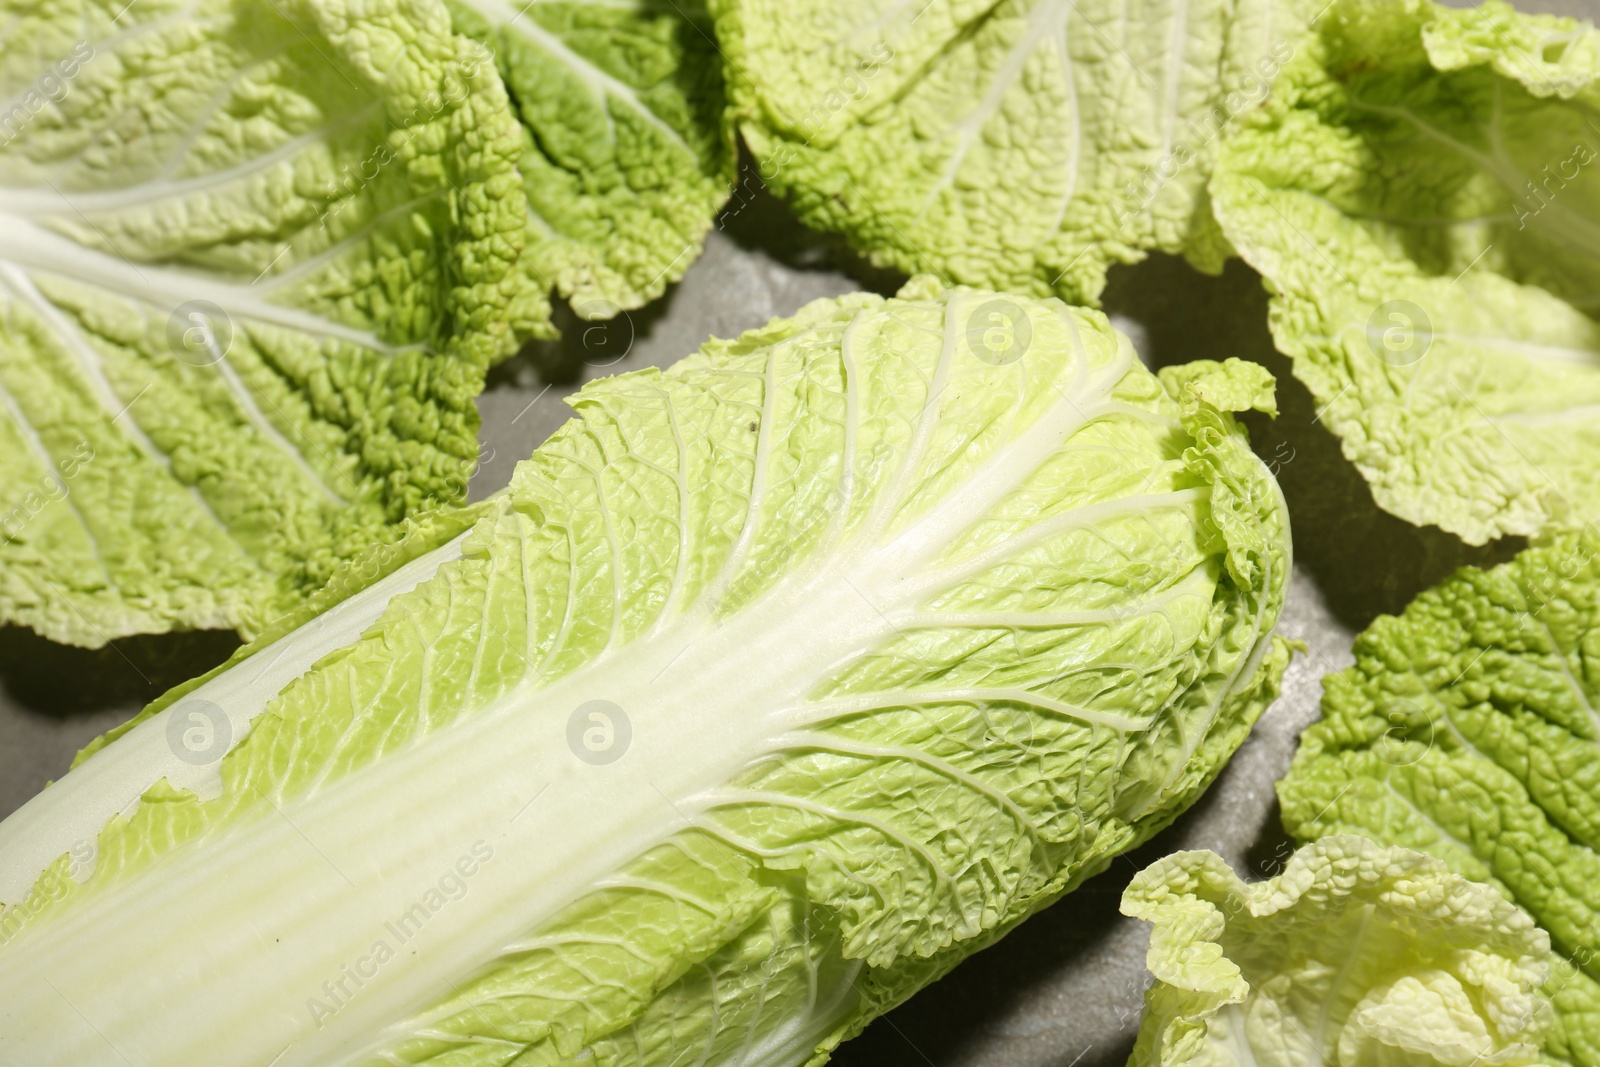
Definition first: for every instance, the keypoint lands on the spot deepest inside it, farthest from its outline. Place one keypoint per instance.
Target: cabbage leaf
(1422, 196)
(1018, 144)
(1356, 955)
(775, 684)
(254, 262)
(626, 155)
(1467, 729)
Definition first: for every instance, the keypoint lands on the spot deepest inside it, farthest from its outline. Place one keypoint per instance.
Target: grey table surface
(1066, 987)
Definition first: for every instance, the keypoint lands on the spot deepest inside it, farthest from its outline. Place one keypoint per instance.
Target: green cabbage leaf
(626, 153)
(1017, 144)
(1422, 196)
(254, 262)
(775, 684)
(1467, 729)
(1356, 955)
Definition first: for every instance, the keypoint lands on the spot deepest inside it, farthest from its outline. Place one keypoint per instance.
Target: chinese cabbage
(775, 684)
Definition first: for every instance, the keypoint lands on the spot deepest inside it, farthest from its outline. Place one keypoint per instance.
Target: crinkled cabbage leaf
(1356, 955)
(254, 262)
(1019, 144)
(1468, 729)
(626, 154)
(774, 685)
(1422, 196)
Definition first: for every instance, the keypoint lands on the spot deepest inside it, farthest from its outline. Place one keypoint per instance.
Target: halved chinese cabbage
(774, 685)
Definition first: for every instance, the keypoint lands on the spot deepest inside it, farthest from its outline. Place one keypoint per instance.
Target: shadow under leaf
(756, 218)
(63, 680)
(583, 342)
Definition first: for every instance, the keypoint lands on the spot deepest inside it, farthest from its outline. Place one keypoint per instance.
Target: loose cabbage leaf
(1356, 955)
(775, 684)
(1421, 196)
(1467, 729)
(626, 154)
(254, 262)
(1019, 144)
